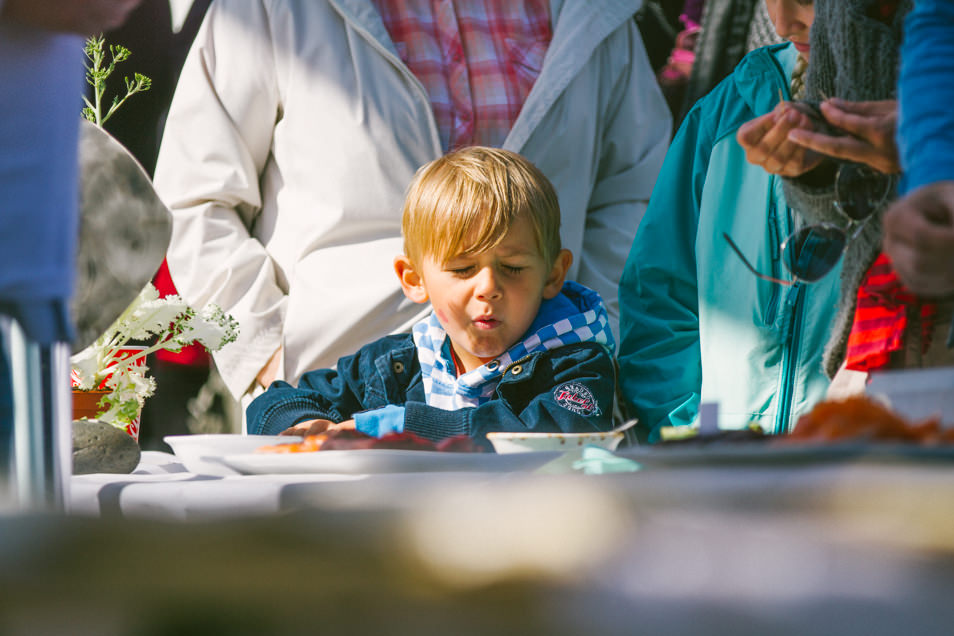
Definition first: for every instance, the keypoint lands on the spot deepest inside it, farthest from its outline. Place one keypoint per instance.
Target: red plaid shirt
(477, 60)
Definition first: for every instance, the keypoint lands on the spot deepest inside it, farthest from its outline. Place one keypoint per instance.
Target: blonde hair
(466, 202)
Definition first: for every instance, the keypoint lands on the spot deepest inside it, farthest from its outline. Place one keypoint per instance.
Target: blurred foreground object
(38, 188)
(864, 419)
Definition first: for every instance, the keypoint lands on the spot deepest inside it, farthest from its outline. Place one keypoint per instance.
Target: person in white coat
(296, 127)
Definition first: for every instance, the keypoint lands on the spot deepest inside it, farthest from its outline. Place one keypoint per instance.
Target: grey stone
(99, 447)
(124, 232)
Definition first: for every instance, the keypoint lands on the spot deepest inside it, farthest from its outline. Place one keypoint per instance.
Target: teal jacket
(696, 325)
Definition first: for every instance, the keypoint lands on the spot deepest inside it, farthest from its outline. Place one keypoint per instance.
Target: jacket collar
(763, 73)
(363, 16)
(580, 26)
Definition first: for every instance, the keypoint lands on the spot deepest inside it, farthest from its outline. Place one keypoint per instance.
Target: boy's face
(486, 301)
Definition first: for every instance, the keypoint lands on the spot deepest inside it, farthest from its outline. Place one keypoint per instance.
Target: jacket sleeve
(636, 133)
(328, 394)
(569, 389)
(659, 355)
(216, 143)
(926, 92)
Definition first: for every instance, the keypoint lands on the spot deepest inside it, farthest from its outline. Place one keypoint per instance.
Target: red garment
(881, 318)
(194, 355)
(476, 60)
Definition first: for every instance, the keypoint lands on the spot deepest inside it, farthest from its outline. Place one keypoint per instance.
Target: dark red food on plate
(354, 440)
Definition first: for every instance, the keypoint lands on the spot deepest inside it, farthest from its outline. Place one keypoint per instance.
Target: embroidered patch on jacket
(576, 397)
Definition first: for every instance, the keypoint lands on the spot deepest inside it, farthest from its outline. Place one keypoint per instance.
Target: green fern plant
(98, 69)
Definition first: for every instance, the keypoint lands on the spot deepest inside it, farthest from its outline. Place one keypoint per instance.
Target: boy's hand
(308, 427)
(871, 127)
(767, 144)
(314, 427)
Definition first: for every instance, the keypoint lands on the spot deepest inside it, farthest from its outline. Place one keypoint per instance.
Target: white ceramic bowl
(200, 453)
(530, 442)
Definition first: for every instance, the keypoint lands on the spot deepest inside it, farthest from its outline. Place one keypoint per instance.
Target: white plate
(383, 461)
(561, 442)
(202, 454)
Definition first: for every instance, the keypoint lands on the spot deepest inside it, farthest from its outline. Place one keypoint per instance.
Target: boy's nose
(486, 286)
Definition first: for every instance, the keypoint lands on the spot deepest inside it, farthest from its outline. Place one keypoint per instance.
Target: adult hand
(767, 144)
(269, 372)
(871, 127)
(919, 239)
(86, 17)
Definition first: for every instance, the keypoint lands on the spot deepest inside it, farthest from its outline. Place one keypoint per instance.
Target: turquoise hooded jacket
(696, 325)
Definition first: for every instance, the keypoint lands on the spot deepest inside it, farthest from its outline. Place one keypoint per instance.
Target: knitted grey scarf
(854, 57)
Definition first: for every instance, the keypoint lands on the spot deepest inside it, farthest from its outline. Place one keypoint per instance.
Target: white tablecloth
(162, 488)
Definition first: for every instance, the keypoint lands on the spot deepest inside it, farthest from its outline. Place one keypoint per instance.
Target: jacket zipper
(793, 334)
(771, 309)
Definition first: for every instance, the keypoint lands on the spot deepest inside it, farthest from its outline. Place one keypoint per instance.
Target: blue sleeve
(660, 363)
(570, 389)
(327, 394)
(380, 422)
(926, 93)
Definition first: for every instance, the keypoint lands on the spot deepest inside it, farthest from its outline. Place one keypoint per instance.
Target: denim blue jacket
(568, 389)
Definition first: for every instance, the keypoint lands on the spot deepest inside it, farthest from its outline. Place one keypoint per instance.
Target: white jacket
(305, 107)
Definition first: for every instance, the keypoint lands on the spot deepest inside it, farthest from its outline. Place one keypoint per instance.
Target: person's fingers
(926, 277)
(865, 123)
(842, 147)
(919, 239)
(751, 133)
(882, 158)
(308, 427)
(766, 144)
(867, 108)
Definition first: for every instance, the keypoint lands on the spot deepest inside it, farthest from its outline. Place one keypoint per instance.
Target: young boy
(509, 346)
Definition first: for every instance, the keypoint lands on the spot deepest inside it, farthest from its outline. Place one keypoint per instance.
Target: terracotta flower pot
(86, 403)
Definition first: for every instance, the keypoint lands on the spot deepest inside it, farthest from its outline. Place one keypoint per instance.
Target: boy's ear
(558, 274)
(412, 283)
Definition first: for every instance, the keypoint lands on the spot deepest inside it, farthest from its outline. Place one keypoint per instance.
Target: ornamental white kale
(170, 324)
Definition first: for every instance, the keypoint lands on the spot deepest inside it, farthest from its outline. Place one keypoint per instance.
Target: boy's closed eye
(460, 270)
(468, 270)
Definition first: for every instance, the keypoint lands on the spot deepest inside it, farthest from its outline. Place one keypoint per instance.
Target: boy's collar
(447, 350)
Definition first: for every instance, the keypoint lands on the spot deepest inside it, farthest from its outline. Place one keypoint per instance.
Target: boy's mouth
(486, 322)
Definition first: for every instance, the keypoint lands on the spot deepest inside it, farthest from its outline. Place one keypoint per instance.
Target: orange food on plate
(861, 418)
(308, 444)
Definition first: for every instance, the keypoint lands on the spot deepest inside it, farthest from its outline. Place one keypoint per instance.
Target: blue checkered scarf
(576, 314)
